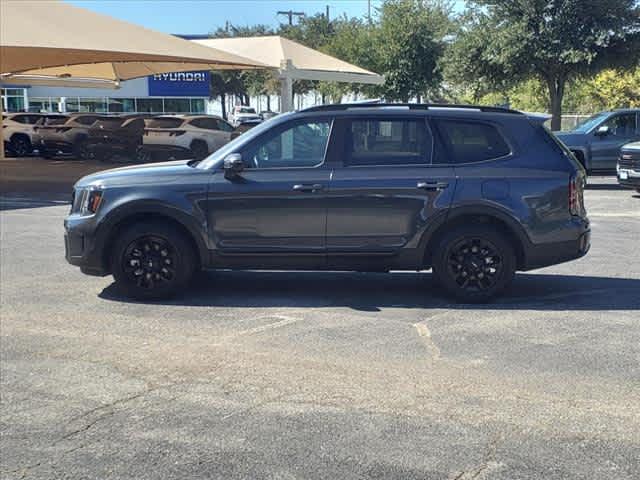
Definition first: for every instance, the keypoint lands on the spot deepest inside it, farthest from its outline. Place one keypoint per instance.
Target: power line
(291, 14)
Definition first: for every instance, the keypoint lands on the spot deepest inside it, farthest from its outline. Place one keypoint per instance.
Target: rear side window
(85, 120)
(469, 142)
(164, 122)
(388, 142)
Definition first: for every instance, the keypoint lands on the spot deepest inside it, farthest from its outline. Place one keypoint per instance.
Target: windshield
(247, 110)
(589, 123)
(233, 145)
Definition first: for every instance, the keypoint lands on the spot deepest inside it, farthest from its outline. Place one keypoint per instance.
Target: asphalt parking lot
(277, 375)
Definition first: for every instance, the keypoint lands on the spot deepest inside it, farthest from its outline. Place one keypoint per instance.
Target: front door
(276, 207)
(385, 191)
(605, 149)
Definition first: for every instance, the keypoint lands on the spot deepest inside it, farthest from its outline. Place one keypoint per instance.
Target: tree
(410, 42)
(504, 42)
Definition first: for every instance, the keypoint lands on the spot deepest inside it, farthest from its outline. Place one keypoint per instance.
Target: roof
(273, 50)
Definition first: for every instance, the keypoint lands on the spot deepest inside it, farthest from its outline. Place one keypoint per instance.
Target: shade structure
(293, 61)
(51, 38)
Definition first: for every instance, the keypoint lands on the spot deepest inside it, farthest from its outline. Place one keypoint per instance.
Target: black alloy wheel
(474, 263)
(149, 262)
(152, 259)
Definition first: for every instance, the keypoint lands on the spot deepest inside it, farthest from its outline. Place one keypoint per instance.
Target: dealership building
(183, 92)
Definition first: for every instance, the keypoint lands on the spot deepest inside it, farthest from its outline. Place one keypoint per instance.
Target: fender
(106, 226)
(491, 211)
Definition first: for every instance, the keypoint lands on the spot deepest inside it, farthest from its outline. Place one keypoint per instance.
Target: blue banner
(179, 84)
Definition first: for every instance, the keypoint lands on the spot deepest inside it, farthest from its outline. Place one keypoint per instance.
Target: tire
(20, 146)
(143, 156)
(200, 150)
(80, 150)
(469, 276)
(152, 260)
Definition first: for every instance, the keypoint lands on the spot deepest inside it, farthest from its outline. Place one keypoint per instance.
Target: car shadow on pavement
(374, 291)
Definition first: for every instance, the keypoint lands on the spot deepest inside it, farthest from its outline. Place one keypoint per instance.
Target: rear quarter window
(466, 141)
(164, 122)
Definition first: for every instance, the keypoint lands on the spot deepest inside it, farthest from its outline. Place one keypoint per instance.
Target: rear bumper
(546, 254)
(631, 179)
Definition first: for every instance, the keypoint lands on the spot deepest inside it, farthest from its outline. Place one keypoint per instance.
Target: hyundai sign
(179, 84)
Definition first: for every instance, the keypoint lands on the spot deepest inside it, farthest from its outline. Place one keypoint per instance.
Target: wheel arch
(117, 221)
(478, 215)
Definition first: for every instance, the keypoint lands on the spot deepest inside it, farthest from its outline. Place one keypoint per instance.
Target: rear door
(384, 190)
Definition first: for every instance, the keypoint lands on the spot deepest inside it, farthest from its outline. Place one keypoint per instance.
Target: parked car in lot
(121, 135)
(67, 136)
(267, 114)
(242, 113)
(474, 193)
(189, 136)
(245, 126)
(596, 142)
(20, 131)
(628, 168)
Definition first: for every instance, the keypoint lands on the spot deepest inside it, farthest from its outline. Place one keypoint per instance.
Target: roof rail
(410, 106)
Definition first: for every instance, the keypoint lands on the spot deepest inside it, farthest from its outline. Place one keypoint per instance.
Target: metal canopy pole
(286, 86)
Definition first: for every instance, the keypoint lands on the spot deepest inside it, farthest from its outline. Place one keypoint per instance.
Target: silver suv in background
(596, 142)
(20, 131)
(189, 136)
(67, 135)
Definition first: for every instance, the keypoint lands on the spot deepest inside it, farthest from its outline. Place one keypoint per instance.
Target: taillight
(576, 186)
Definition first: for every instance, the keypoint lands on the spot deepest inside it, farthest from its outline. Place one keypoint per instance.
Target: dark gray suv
(474, 193)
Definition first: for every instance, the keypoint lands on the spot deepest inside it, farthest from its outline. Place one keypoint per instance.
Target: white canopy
(293, 61)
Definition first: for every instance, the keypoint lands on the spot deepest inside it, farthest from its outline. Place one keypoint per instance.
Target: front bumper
(80, 246)
(628, 178)
(55, 146)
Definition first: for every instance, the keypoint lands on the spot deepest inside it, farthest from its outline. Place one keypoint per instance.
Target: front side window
(623, 125)
(469, 142)
(302, 144)
(388, 142)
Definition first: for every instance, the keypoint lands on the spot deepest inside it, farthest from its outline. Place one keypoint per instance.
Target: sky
(204, 16)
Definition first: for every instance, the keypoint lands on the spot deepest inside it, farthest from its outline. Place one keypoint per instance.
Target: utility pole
(327, 15)
(291, 14)
(369, 10)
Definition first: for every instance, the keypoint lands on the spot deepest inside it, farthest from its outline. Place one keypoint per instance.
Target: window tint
(207, 123)
(468, 142)
(164, 122)
(622, 125)
(388, 142)
(88, 120)
(292, 145)
(224, 126)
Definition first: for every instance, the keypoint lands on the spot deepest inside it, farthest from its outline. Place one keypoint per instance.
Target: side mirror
(233, 166)
(602, 131)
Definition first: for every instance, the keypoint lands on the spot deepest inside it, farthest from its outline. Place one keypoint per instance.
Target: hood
(136, 174)
(571, 139)
(633, 147)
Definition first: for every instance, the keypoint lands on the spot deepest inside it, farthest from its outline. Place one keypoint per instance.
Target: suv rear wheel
(152, 260)
(474, 263)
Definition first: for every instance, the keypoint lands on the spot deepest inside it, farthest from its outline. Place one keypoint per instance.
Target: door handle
(432, 185)
(307, 187)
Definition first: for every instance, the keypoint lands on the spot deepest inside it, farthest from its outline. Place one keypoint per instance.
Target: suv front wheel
(152, 260)
(474, 263)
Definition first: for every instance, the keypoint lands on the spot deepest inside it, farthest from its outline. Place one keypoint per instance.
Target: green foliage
(501, 43)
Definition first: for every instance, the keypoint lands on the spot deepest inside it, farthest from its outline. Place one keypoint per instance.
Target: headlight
(86, 201)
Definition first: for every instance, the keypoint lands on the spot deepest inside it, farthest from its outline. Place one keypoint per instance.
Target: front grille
(630, 161)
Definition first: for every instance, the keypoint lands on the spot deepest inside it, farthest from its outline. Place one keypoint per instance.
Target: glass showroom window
(93, 105)
(122, 105)
(41, 104)
(72, 104)
(197, 105)
(13, 99)
(149, 105)
(177, 105)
